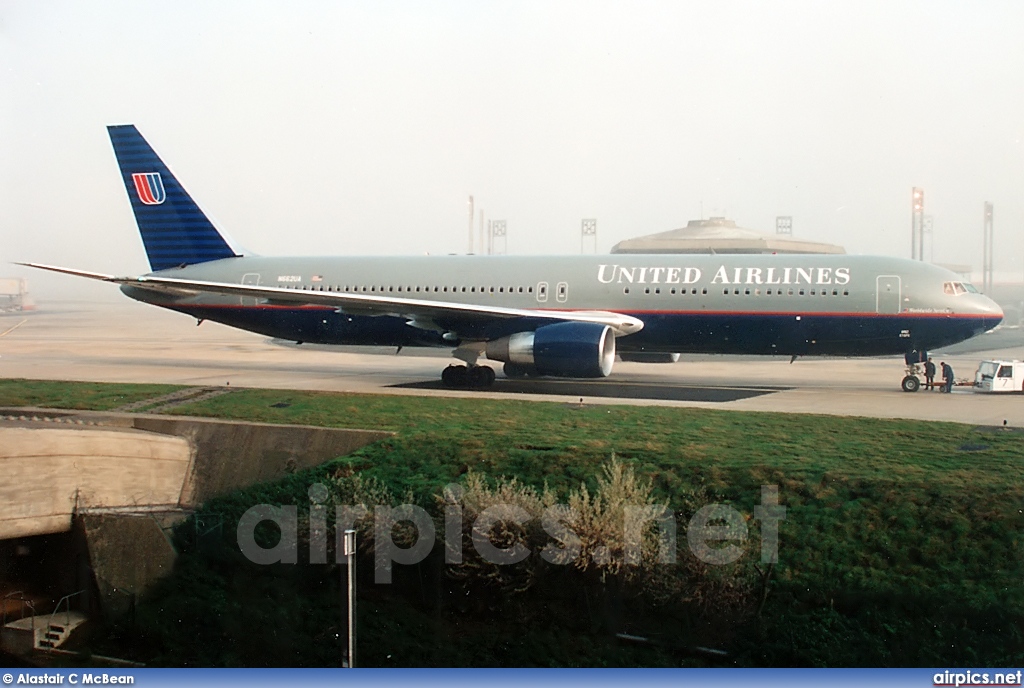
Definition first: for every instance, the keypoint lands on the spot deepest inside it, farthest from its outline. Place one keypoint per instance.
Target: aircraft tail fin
(174, 230)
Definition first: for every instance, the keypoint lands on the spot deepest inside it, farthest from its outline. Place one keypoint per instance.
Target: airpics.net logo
(967, 679)
(716, 534)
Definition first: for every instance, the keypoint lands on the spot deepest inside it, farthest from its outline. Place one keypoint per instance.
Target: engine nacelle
(568, 349)
(648, 357)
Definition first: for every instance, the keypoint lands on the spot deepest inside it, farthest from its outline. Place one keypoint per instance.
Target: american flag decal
(150, 187)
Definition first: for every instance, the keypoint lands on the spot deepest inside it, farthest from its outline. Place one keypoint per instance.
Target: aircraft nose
(991, 311)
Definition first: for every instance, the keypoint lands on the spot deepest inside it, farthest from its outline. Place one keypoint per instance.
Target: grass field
(902, 543)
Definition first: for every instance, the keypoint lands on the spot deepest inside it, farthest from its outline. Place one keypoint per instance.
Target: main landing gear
(468, 376)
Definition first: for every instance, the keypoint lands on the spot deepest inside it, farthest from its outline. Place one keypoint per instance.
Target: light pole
(917, 224)
(350, 555)
(988, 261)
(469, 248)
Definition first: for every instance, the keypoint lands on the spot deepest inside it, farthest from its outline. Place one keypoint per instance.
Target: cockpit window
(957, 288)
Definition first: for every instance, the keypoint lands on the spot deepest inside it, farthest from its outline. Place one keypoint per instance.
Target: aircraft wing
(422, 313)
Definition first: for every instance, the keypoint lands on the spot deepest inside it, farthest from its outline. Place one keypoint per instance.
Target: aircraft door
(562, 292)
(542, 292)
(252, 279)
(888, 298)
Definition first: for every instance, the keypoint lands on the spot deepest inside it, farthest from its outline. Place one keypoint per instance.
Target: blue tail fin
(174, 230)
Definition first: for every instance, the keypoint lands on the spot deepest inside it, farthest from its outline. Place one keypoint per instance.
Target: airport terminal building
(720, 235)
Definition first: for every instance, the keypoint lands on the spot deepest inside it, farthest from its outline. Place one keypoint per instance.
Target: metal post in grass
(350, 555)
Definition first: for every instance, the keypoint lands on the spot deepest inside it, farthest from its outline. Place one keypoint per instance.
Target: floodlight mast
(469, 248)
(588, 234)
(988, 259)
(917, 224)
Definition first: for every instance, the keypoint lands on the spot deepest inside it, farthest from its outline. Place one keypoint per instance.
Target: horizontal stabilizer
(68, 271)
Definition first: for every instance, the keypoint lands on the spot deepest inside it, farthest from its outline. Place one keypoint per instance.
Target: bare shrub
(619, 532)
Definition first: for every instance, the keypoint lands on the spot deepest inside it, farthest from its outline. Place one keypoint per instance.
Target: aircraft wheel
(455, 376)
(910, 384)
(481, 376)
(515, 370)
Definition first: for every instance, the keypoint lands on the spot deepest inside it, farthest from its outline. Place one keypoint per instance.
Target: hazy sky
(362, 127)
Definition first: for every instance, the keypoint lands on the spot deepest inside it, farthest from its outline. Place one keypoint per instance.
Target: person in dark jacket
(929, 374)
(947, 377)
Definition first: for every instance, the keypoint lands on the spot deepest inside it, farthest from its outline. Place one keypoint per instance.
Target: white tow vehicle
(999, 376)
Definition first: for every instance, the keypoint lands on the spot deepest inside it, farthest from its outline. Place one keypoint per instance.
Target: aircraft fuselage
(729, 304)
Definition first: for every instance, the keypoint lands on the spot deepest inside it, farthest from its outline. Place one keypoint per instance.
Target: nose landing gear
(912, 381)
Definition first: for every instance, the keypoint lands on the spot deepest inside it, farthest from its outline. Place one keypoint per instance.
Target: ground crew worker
(929, 374)
(947, 377)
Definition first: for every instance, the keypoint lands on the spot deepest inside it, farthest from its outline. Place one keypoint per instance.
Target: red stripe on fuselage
(803, 314)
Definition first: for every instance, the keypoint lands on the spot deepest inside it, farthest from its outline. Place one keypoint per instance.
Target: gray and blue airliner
(560, 316)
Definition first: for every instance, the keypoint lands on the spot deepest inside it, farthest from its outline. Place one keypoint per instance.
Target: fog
(362, 127)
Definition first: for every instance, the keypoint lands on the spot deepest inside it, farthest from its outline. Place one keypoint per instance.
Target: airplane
(560, 316)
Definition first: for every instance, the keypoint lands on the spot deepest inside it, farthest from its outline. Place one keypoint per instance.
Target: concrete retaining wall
(230, 455)
(127, 555)
(46, 471)
(56, 463)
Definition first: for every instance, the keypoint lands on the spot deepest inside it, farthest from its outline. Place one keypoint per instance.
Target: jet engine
(568, 349)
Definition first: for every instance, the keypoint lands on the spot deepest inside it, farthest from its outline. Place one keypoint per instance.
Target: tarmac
(131, 342)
